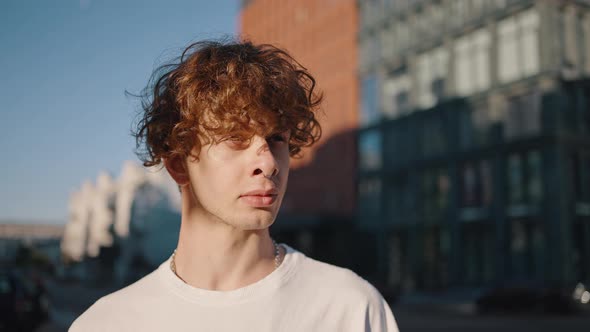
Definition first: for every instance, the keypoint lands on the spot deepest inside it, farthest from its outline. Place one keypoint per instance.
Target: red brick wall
(321, 35)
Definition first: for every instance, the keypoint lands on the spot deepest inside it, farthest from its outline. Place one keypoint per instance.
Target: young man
(224, 121)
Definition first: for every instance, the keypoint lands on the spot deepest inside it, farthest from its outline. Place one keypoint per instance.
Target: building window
(477, 245)
(434, 261)
(581, 176)
(500, 4)
(369, 108)
(570, 41)
(478, 7)
(399, 270)
(459, 12)
(401, 5)
(433, 140)
(515, 180)
(580, 250)
(435, 193)
(398, 145)
(529, 26)
(518, 49)
(475, 126)
(467, 134)
(400, 201)
(508, 59)
(586, 41)
(525, 178)
(431, 67)
(535, 177)
(368, 13)
(523, 116)
(581, 42)
(370, 51)
(476, 184)
(396, 95)
(374, 49)
(437, 17)
(402, 102)
(472, 67)
(527, 245)
(402, 37)
(370, 146)
(388, 42)
(370, 196)
(469, 185)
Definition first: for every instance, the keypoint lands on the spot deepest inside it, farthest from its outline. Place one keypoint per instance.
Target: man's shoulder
(342, 295)
(340, 280)
(139, 291)
(132, 297)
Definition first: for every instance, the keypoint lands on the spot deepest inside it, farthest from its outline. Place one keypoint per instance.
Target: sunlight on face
(227, 171)
(231, 147)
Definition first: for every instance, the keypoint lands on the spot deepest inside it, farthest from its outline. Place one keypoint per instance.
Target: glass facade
(585, 22)
(433, 139)
(464, 196)
(369, 98)
(370, 197)
(535, 177)
(518, 46)
(396, 95)
(581, 248)
(527, 244)
(400, 202)
(472, 62)
(523, 116)
(431, 73)
(515, 180)
(580, 176)
(370, 150)
(398, 151)
(399, 273)
(435, 191)
(476, 184)
(477, 245)
(525, 178)
(434, 269)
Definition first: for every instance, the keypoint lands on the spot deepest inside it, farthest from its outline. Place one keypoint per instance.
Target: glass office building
(474, 150)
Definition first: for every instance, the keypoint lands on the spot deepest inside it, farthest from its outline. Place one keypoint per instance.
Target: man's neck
(215, 256)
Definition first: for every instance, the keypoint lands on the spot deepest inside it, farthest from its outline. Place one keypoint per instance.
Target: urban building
(121, 229)
(474, 146)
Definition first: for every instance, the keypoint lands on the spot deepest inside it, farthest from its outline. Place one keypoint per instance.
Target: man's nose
(265, 163)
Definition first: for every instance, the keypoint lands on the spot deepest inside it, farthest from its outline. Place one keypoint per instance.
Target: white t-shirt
(302, 294)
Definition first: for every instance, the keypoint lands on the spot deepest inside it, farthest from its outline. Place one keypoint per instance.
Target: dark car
(534, 299)
(23, 301)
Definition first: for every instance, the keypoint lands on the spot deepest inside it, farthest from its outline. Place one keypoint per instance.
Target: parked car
(535, 298)
(23, 301)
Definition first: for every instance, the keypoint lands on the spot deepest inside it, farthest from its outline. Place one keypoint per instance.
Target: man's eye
(237, 142)
(277, 138)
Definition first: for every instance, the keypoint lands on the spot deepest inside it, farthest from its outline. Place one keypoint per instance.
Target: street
(416, 321)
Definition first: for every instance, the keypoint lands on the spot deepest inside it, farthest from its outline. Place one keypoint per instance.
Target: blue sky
(65, 66)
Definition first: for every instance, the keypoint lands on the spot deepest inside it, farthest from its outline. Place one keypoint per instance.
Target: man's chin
(256, 223)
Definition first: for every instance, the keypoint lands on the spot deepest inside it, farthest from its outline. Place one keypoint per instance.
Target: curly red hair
(219, 90)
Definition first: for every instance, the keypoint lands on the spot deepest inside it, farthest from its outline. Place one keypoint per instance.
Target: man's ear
(176, 167)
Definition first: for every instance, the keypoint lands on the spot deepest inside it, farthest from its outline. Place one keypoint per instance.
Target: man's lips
(260, 197)
(262, 192)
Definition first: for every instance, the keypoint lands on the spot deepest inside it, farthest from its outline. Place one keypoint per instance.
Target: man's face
(241, 183)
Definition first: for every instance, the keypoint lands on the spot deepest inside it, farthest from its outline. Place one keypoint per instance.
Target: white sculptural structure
(96, 209)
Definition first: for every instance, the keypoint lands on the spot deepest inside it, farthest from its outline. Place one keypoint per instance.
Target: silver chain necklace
(277, 258)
